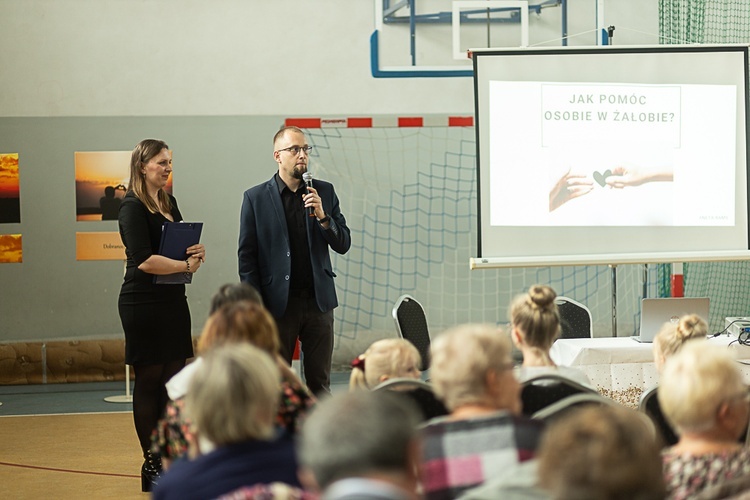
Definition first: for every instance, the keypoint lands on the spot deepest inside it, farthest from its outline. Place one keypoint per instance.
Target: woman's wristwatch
(325, 219)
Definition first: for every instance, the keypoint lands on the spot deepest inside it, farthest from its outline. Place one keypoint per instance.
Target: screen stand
(613, 271)
(122, 398)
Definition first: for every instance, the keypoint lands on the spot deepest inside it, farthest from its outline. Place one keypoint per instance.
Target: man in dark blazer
(286, 229)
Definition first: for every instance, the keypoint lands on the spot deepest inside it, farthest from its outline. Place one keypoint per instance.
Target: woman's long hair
(142, 154)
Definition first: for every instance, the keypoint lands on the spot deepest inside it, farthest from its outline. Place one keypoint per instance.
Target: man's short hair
(283, 130)
(352, 434)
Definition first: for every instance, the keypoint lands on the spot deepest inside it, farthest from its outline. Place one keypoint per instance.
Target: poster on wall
(101, 182)
(10, 200)
(10, 249)
(99, 246)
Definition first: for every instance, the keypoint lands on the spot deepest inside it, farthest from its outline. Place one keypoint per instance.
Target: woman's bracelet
(187, 261)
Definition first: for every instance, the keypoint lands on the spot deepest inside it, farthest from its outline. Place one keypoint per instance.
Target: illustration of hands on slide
(612, 154)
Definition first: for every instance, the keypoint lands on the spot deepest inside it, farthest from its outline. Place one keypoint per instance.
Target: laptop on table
(656, 312)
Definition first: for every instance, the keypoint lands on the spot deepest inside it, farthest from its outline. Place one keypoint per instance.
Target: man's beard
(297, 173)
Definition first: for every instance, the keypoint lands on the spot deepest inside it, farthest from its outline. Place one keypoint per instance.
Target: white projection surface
(611, 155)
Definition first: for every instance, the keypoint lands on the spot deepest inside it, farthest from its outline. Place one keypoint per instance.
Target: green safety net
(704, 21)
(709, 22)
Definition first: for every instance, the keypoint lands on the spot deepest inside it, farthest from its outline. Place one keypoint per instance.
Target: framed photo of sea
(10, 200)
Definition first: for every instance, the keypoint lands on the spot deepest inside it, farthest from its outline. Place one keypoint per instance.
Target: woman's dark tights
(150, 397)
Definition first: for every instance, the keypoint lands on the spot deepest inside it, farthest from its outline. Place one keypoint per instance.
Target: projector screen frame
(614, 258)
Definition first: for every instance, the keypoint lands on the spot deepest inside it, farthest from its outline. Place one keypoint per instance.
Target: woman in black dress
(155, 318)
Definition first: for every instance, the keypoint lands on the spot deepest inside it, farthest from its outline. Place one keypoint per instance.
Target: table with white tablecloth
(621, 367)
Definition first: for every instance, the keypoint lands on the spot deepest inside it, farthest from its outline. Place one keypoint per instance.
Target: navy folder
(176, 237)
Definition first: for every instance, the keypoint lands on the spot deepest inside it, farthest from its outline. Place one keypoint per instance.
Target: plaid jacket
(461, 454)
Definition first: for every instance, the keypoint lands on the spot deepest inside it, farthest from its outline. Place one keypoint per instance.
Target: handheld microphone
(307, 178)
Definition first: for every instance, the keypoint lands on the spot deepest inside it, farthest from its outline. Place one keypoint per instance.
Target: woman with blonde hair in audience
(232, 402)
(668, 341)
(672, 336)
(397, 360)
(472, 371)
(703, 395)
(233, 323)
(535, 325)
(384, 359)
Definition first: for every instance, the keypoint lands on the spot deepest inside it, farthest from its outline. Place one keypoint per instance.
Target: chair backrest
(418, 392)
(411, 324)
(575, 319)
(561, 407)
(649, 404)
(544, 390)
(402, 383)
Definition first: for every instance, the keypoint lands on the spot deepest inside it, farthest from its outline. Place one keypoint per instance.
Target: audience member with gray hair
(472, 371)
(601, 453)
(361, 445)
(232, 402)
(702, 394)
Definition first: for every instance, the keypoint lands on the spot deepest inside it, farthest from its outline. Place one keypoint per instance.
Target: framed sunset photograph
(10, 249)
(10, 200)
(101, 182)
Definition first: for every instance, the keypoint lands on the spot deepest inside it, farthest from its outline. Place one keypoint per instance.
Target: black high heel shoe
(150, 471)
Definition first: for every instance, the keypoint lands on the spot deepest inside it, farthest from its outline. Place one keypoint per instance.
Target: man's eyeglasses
(296, 149)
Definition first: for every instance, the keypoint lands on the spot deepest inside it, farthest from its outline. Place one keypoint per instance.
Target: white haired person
(472, 371)
(703, 395)
(670, 338)
(535, 325)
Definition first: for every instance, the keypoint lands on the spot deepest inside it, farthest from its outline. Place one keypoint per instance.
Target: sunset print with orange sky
(10, 201)
(10, 248)
(95, 171)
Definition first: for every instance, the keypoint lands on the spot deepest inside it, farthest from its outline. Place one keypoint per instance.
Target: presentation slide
(612, 154)
(594, 154)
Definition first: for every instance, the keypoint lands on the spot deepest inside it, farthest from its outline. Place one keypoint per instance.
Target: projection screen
(611, 155)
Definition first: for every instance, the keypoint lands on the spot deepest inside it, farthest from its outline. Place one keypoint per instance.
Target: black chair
(541, 391)
(575, 319)
(411, 324)
(649, 405)
(417, 391)
(574, 401)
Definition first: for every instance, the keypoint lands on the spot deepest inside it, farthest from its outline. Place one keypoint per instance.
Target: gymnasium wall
(215, 80)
